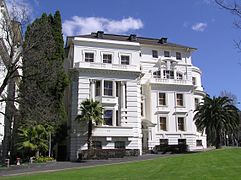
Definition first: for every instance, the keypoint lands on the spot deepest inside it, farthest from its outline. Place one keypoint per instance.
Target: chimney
(100, 34)
(163, 40)
(132, 37)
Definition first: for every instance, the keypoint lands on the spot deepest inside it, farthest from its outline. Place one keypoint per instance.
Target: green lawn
(216, 164)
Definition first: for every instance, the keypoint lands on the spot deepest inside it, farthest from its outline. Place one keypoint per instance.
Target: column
(123, 95)
(114, 89)
(92, 89)
(102, 87)
(114, 117)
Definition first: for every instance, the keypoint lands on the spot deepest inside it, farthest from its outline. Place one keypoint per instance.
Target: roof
(134, 38)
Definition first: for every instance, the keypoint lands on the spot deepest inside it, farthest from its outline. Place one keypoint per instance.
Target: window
(180, 101)
(108, 117)
(193, 81)
(108, 88)
(89, 57)
(181, 141)
(196, 101)
(107, 58)
(163, 123)
(179, 76)
(163, 141)
(96, 145)
(120, 145)
(180, 123)
(154, 54)
(162, 99)
(199, 143)
(168, 74)
(166, 54)
(178, 56)
(97, 88)
(157, 74)
(125, 59)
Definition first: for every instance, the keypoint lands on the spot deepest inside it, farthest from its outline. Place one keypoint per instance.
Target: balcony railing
(107, 99)
(170, 81)
(106, 66)
(111, 131)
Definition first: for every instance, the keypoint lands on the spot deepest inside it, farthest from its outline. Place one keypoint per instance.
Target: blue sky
(197, 23)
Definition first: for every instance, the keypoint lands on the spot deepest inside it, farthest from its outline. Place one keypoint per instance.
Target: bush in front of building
(107, 153)
(164, 148)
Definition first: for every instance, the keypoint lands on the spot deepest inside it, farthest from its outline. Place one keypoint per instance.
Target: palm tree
(91, 111)
(216, 116)
(33, 139)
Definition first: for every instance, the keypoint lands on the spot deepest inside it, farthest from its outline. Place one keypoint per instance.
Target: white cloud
(200, 26)
(84, 25)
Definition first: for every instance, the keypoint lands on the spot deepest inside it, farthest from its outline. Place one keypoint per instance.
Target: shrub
(107, 153)
(42, 159)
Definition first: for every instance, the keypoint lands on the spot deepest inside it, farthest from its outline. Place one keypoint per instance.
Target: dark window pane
(125, 60)
(89, 57)
(108, 117)
(120, 145)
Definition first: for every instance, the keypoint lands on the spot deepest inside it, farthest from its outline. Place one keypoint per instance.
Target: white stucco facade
(136, 89)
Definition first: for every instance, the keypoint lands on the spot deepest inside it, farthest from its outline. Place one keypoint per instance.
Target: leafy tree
(216, 116)
(91, 112)
(33, 139)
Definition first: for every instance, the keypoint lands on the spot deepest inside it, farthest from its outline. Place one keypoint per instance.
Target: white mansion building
(148, 88)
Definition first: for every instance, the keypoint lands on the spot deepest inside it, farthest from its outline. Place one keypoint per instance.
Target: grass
(216, 164)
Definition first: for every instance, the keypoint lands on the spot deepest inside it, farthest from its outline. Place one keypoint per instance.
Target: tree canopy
(216, 116)
(91, 112)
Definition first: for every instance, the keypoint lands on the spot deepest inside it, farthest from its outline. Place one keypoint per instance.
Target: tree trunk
(89, 140)
(37, 154)
(89, 135)
(8, 119)
(217, 141)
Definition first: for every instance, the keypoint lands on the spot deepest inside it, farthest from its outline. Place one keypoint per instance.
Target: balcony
(170, 81)
(111, 131)
(107, 99)
(108, 66)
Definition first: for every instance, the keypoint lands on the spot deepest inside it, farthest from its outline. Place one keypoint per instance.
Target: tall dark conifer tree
(42, 88)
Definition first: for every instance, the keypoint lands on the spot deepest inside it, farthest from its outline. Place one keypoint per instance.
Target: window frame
(165, 118)
(125, 55)
(196, 102)
(154, 54)
(194, 81)
(97, 89)
(167, 52)
(167, 74)
(165, 99)
(178, 76)
(109, 61)
(198, 144)
(108, 89)
(89, 52)
(107, 109)
(184, 123)
(182, 100)
(120, 146)
(178, 56)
